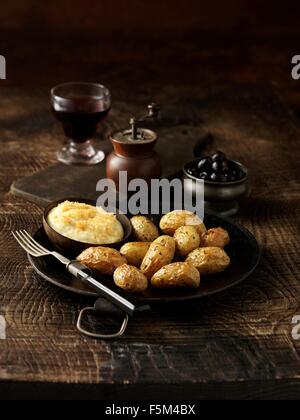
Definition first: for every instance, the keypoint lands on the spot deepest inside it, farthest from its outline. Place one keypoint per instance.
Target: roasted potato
(143, 229)
(187, 239)
(179, 274)
(209, 260)
(134, 252)
(160, 253)
(102, 259)
(215, 237)
(178, 218)
(130, 278)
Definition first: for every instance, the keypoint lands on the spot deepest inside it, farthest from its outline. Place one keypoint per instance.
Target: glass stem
(85, 149)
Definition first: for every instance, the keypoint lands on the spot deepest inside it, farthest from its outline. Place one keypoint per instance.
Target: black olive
(217, 166)
(191, 171)
(215, 177)
(204, 163)
(218, 156)
(203, 175)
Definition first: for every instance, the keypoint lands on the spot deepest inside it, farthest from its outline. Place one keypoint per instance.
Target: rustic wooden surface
(234, 345)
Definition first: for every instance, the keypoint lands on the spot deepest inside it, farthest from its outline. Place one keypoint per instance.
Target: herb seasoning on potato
(102, 259)
(210, 260)
(187, 239)
(176, 275)
(160, 253)
(143, 229)
(218, 237)
(130, 278)
(134, 252)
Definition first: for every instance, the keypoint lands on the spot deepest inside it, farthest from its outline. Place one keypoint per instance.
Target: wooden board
(234, 345)
(59, 181)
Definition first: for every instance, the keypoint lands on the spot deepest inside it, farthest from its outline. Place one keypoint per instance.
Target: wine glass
(80, 107)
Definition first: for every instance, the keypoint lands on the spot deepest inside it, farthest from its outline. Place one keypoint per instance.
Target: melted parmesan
(84, 223)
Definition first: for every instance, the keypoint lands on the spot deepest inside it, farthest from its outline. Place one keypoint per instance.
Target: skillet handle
(104, 308)
(117, 296)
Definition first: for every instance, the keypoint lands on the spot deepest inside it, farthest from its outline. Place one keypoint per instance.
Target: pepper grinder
(134, 150)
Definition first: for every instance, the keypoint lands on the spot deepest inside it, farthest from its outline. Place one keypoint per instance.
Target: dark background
(134, 43)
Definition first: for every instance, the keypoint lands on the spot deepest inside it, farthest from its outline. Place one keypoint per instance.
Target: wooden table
(234, 345)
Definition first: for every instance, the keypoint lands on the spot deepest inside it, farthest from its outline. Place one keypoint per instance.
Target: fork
(83, 273)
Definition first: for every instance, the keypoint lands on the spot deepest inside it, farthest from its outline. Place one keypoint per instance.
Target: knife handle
(119, 298)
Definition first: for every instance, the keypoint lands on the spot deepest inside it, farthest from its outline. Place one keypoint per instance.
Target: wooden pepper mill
(134, 150)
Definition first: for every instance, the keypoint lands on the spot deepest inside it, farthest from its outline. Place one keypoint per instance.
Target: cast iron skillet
(243, 251)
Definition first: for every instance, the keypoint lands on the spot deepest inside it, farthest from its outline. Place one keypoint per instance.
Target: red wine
(80, 121)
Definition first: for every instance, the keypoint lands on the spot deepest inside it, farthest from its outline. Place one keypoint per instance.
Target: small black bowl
(75, 247)
(220, 198)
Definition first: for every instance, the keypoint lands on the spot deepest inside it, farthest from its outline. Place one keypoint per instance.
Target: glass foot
(80, 154)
